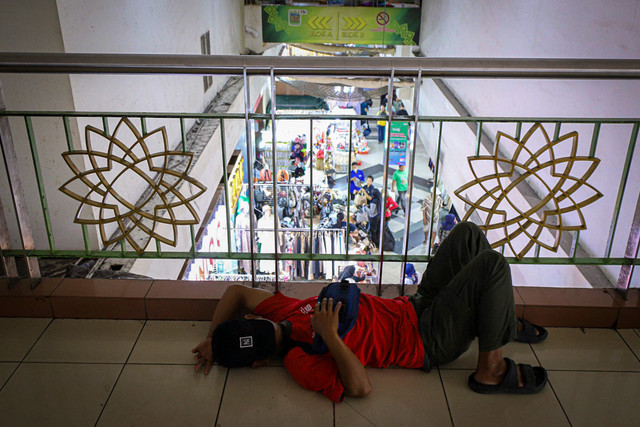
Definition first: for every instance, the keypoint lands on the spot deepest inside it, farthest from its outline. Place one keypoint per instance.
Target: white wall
(34, 27)
(119, 26)
(542, 29)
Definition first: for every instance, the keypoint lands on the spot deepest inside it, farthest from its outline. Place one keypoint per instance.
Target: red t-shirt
(385, 334)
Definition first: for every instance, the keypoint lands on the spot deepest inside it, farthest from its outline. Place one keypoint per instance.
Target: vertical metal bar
(518, 130)
(621, 188)
(556, 131)
(412, 163)
(225, 177)
(434, 189)
(384, 178)
(631, 252)
(574, 248)
(348, 185)
(479, 137)
(105, 125)
(143, 125)
(274, 146)
(40, 182)
(15, 185)
(69, 137)
(252, 224)
(311, 185)
(183, 134)
(594, 139)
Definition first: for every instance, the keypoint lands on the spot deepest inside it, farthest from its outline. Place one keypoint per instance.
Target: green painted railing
(51, 251)
(417, 68)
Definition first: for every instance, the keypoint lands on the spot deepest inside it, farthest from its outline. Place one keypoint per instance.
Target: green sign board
(398, 138)
(343, 25)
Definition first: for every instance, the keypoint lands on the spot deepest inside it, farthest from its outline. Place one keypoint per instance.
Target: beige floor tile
(599, 398)
(276, 400)
(164, 395)
(57, 394)
(416, 397)
(519, 352)
(82, 340)
(632, 338)
(593, 349)
(18, 335)
(168, 342)
(6, 369)
(472, 409)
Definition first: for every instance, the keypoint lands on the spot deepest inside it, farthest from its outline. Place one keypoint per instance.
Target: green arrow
(325, 22)
(348, 23)
(361, 23)
(312, 22)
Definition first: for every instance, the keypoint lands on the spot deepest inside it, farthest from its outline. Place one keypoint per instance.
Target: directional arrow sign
(361, 25)
(324, 22)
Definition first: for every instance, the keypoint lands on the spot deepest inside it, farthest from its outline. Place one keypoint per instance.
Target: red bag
(391, 205)
(265, 175)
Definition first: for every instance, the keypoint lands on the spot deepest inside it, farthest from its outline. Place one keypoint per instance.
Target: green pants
(464, 293)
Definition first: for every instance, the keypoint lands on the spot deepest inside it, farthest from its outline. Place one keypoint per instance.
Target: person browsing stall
(465, 293)
(356, 179)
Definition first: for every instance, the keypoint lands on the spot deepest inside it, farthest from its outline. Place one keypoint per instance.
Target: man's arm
(352, 373)
(234, 299)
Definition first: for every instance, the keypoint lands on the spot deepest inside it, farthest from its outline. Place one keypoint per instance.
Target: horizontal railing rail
(544, 68)
(389, 68)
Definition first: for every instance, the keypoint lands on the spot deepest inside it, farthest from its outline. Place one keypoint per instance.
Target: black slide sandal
(531, 333)
(534, 379)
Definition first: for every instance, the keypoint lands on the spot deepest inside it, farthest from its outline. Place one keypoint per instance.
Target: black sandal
(531, 333)
(533, 378)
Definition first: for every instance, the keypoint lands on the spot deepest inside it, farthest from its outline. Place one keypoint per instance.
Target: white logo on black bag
(246, 342)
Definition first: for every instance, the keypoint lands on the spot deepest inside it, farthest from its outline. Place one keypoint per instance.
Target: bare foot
(497, 375)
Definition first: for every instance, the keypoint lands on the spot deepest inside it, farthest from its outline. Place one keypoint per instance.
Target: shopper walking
(399, 186)
(382, 124)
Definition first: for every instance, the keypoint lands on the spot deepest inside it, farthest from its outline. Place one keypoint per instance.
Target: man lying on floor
(465, 293)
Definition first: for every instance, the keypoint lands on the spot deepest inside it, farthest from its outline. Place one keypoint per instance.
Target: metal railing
(245, 66)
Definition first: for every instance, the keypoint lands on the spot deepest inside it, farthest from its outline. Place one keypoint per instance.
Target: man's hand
(204, 355)
(352, 373)
(325, 318)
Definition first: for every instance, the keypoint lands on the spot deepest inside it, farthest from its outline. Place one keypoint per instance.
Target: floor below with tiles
(68, 372)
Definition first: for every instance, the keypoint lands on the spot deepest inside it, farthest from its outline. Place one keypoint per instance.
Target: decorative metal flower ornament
(116, 171)
(561, 178)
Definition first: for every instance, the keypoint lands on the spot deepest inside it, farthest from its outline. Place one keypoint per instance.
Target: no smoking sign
(382, 18)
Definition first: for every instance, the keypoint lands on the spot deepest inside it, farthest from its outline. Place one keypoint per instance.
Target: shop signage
(398, 138)
(345, 25)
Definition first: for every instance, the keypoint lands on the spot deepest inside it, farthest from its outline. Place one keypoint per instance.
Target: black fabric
(465, 293)
(240, 342)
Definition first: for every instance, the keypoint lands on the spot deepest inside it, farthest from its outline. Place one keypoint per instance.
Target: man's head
(243, 342)
(369, 181)
(401, 166)
(354, 166)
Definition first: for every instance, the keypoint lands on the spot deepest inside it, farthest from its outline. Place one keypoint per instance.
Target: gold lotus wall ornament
(117, 169)
(551, 166)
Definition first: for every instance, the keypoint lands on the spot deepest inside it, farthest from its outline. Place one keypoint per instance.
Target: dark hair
(354, 163)
(370, 177)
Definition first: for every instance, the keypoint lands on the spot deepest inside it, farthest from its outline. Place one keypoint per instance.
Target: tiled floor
(120, 373)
